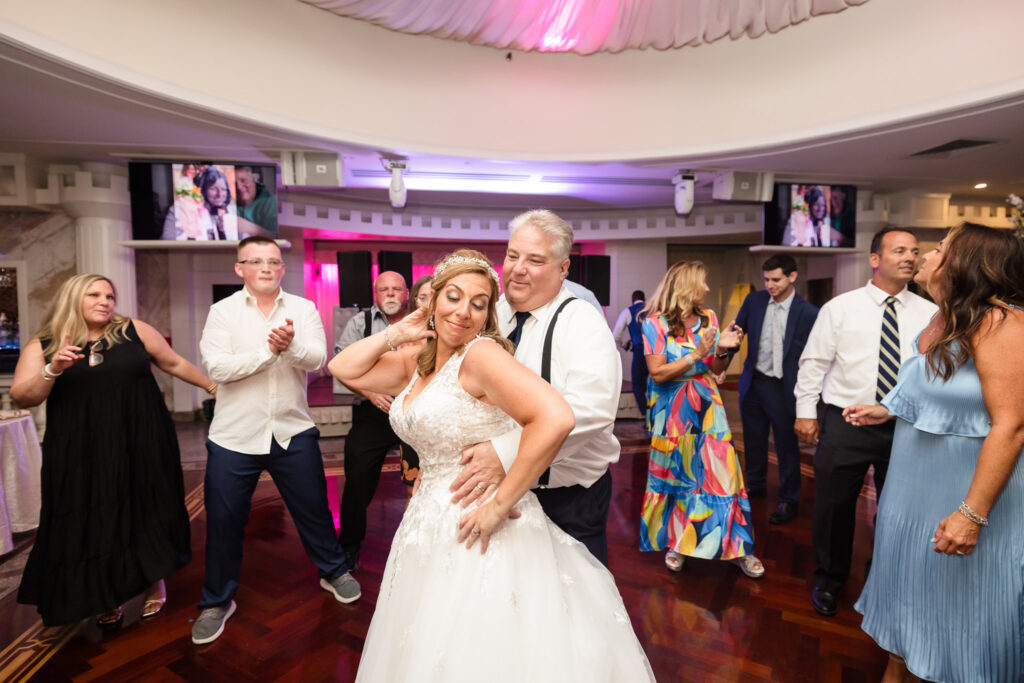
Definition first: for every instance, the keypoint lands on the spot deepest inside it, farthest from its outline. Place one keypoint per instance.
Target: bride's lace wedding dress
(535, 607)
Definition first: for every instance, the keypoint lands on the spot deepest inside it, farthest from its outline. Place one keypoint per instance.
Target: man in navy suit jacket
(776, 322)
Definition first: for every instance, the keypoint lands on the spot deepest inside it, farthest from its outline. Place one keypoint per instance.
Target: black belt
(766, 378)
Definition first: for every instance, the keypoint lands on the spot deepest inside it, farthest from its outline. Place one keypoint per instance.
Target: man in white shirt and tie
(584, 367)
(852, 356)
(258, 345)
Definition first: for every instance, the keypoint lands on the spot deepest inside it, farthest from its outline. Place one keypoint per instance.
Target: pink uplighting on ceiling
(585, 26)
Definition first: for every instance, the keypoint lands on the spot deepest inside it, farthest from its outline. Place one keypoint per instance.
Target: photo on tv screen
(811, 215)
(201, 202)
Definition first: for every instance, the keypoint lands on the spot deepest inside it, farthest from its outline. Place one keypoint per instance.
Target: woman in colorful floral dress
(696, 504)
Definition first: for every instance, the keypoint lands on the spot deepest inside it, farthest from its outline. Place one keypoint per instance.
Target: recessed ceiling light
(981, 186)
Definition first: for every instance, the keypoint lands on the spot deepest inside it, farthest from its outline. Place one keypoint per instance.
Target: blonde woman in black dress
(113, 521)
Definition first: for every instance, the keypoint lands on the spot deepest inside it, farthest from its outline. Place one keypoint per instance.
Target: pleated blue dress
(951, 618)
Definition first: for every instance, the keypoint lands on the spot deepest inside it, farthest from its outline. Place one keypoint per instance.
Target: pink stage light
(325, 292)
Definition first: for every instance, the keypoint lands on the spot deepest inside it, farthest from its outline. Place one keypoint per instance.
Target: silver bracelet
(391, 347)
(970, 514)
(49, 375)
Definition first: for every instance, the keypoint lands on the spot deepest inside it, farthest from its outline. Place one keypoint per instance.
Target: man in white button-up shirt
(585, 369)
(258, 345)
(840, 363)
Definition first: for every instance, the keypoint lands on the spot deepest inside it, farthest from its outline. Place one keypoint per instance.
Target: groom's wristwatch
(722, 355)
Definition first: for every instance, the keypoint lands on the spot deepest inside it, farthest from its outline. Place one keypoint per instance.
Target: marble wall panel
(46, 242)
(152, 288)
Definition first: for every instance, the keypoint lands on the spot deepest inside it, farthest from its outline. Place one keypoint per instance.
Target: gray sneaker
(210, 623)
(345, 588)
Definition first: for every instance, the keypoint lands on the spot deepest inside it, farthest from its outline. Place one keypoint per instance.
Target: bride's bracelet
(391, 347)
(970, 514)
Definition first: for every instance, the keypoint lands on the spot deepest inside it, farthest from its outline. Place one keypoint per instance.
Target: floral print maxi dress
(695, 503)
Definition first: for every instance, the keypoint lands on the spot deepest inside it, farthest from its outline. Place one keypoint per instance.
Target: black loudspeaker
(224, 291)
(398, 261)
(355, 283)
(596, 270)
(574, 269)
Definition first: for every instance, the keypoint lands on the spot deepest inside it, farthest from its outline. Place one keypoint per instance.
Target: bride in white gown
(530, 603)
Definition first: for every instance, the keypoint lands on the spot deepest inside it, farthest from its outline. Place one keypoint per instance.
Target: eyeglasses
(274, 263)
(95, 357)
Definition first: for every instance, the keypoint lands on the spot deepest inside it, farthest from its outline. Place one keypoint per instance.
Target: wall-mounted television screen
(201, 201)
(811, 215)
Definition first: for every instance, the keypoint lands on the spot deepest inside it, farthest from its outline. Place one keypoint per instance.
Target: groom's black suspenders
(545, 369)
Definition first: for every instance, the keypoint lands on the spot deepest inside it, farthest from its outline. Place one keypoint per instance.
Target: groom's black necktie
(517, 332)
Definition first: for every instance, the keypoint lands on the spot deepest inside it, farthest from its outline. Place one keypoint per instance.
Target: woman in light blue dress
(945, 595)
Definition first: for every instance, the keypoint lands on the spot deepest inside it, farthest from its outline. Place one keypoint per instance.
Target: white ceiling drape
(584, 26)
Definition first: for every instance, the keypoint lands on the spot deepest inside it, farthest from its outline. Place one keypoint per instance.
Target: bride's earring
(430, 322)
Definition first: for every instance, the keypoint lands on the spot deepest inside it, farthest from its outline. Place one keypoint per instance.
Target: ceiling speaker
(743, 186)
(311, 169)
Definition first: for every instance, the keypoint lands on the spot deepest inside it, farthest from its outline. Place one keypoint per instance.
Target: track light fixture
(396, 190)
(683, 184)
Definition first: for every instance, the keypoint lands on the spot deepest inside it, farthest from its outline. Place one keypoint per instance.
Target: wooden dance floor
(707, 623)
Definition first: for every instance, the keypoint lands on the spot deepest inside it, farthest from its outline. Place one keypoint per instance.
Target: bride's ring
(475, 532)
(481, 487)
(960, 552)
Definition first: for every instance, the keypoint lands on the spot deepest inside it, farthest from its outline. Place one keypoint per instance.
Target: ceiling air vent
(953, 147)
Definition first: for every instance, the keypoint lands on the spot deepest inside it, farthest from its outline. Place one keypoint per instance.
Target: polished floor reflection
(706, 623)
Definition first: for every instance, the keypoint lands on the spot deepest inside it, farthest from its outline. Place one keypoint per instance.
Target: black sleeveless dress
(113, 517)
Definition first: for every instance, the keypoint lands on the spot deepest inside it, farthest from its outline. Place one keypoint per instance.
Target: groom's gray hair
(549, 223)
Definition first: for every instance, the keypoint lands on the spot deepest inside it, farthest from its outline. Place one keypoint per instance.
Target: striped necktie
(888, 351)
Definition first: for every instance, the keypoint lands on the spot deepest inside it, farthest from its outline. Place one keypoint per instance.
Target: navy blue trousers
(581, 512)
(764, 406)
(231, 478)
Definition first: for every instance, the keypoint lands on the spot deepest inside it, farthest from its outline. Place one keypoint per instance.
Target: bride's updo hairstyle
(462, 262)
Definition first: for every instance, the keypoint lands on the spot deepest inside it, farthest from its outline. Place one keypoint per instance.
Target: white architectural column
(636, 264)
(99, 251)
(96, 196)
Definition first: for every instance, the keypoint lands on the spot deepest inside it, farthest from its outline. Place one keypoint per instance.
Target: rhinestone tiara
(451, 260)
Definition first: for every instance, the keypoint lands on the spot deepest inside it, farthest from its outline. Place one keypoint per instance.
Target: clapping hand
(707, 342)
(411, 328)
(281, 337)
(66, 357)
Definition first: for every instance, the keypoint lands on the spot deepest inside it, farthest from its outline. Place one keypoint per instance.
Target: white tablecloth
(20, 462)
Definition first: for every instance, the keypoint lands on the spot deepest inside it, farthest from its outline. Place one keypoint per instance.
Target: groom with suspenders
(568, 343)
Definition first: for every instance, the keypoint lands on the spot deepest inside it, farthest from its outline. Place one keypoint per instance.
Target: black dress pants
(581, 512)
(840, 464)
(366, 446)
